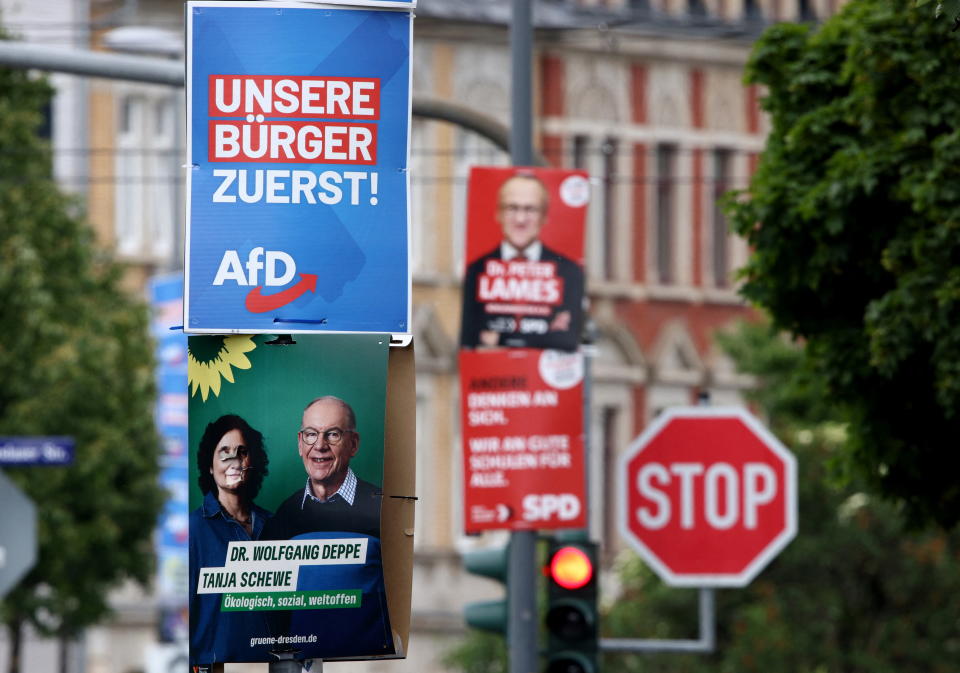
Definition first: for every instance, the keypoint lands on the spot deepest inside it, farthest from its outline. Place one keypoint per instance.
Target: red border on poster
(523, 455)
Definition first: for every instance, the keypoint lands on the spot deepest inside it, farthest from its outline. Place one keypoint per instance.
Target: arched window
(619, 369)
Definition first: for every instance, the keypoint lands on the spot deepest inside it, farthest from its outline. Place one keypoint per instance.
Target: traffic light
(487, 615)
(571, 615)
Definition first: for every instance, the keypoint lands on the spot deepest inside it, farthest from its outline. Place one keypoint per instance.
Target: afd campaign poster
(524, 282)
(298, 132)
(523, 456)
(286, 470)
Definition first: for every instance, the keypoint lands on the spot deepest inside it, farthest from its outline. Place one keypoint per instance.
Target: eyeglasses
(333, 436)
(515, 209)
(225, 453)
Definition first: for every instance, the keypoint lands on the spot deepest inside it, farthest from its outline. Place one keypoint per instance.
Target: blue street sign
(34, 451)
(298, 132)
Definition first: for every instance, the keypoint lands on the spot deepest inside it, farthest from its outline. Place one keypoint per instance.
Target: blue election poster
(298, 131)
(172, 578)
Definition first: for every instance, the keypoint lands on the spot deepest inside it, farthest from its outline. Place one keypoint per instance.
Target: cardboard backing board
(399, 489)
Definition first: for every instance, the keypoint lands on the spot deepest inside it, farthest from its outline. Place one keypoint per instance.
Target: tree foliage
(76, 361)
(478, 652)
(855, 591)
(852, 215)
(949, 9)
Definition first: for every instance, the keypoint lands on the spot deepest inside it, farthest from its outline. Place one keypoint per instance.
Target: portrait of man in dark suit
(334, 498)
(522, 293)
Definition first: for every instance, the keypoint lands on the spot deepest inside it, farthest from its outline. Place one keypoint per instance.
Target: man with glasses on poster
(334, 498)
(522, 293)
(334, 504)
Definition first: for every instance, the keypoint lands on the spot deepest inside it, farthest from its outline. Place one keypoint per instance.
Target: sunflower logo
(209, 358)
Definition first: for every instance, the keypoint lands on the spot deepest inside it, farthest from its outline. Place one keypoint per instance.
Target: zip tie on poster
(308, 321)
(400, 497)
(394, 341)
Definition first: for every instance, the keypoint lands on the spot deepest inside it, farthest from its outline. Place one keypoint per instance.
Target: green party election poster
(286, 446)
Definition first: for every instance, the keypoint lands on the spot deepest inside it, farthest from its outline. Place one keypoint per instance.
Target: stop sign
(708, 496)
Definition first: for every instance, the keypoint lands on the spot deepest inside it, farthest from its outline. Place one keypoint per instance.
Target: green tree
(76, 360)
(852, 215)
(944, 9)
(855, 591)
(478, 652)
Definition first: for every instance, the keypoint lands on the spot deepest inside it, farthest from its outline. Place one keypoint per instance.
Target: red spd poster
(522, 439)
(523, 286)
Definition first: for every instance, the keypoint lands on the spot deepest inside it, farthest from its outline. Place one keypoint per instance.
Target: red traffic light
(571, 568)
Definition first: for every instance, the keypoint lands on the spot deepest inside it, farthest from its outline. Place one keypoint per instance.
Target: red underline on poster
(260, 303)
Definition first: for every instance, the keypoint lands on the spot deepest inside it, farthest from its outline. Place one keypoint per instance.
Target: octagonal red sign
(708, 496)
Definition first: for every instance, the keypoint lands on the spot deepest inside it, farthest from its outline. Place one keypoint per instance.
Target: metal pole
(521, 84)
(707, 642)
(287, 664)
(522, 600)
(94, 64)
(708, 619)
(588, 349)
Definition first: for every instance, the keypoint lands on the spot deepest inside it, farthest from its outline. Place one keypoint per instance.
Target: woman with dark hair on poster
(232, 464)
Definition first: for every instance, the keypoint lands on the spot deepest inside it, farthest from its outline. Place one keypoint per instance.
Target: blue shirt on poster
(217, 636)
(362, 630)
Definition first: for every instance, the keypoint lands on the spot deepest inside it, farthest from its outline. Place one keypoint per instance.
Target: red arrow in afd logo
(260, 303)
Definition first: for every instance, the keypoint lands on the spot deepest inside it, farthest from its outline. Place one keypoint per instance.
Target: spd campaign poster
(298, 132)
(524, 282)
(286, 470)
(523, 456)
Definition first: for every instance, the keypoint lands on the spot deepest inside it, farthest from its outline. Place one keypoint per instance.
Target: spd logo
(278, 270)
(563, 506)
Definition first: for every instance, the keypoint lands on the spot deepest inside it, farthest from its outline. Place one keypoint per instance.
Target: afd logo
(563, 506)
(278, 270)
